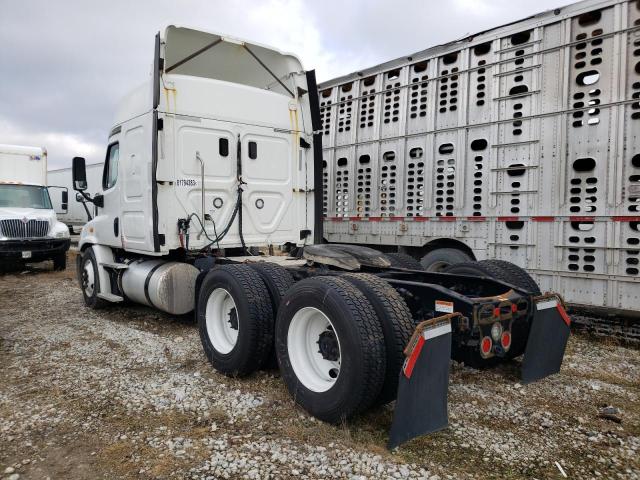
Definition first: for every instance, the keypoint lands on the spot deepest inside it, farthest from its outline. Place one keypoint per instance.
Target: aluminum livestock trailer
(521, 143)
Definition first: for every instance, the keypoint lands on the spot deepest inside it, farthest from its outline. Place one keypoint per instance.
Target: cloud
(67, 64)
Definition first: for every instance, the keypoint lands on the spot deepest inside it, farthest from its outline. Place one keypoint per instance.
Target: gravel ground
(126, 392)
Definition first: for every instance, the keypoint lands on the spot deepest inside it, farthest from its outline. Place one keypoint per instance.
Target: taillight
(485, 346)
(514, 307)
(506, 340)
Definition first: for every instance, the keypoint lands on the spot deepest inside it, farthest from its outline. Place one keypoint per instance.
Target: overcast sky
(66, 63)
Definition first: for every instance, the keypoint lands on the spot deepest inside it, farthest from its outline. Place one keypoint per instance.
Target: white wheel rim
(220, 312)
(89, 287)
(312, 369)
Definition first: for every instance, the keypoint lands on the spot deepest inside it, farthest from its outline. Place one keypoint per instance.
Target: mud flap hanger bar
(421, 405)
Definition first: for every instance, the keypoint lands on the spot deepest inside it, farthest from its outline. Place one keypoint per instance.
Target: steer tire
(402, 260)
(440, 258)
(91, 299)
(515, 275)
(361, 348)
(278, 281)
(397, 326)
(253, 314)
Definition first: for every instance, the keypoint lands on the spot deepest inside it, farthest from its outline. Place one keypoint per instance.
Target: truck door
(272, 170)
(107, 222)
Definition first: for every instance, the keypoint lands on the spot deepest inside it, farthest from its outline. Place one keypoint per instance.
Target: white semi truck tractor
(29, 228)
(211, 203)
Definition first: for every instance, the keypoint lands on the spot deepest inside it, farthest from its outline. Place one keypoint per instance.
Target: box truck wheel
(235, 319)
(402, 260)
(60, 261)
(330, 348)
(397, 326)
(278, 280)
(90, 280)
(440, 258)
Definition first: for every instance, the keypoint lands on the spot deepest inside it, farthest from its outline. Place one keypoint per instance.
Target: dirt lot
(127, 393)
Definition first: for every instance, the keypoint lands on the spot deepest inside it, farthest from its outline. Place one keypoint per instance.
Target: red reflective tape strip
(447, 219)
(413, 358)
(355, 219)
(543, 219)
(375, 219)
(564, 315)
(508, 219)
(626, 219)
(396, 219)
(420, 219)
(582, 219)
(477, 219)
(336, 219)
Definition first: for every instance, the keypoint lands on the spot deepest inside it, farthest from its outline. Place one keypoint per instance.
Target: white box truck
(29, 229)
(77, 212)
(520, 143)
(219, 154)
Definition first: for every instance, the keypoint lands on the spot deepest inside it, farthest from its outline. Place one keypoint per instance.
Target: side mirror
(65, 197)
(79, 174)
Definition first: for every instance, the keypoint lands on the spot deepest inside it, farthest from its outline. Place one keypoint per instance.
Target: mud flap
(547, 340)
(421, 406)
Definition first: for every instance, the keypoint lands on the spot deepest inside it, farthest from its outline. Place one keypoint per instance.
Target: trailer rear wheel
(397, 326)
(330, 348)
(90, 280)
(402, 260)
(278, 280)
(235, 319)
(440, 258)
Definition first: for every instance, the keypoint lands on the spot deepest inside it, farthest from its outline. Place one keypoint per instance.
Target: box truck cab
(29, 229)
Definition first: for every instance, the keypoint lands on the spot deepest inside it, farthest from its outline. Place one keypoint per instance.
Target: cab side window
(110, 175)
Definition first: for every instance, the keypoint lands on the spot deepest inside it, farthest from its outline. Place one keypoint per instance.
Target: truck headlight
(62, 234)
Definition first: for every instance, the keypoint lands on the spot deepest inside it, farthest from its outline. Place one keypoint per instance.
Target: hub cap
(314, 349)
(222, 320)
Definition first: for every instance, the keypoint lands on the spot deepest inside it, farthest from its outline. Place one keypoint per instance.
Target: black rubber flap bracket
(421, 406)
(547, 340)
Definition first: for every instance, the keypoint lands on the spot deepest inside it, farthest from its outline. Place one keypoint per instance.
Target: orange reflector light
(486, 345)
(506, 340)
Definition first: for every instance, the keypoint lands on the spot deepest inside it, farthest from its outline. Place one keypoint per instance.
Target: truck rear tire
(235, 319)
(89, 279)
(397, 326)
(60, 262)
(278, 281)
(514, 274)
(330, 348)
(402, 260)
(440, 258)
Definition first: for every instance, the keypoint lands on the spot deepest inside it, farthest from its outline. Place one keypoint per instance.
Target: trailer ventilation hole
(478, 144)
(325, 188)
(588, 78)
(363, 187)
(635, 161)
(518, 90)
(367, 104)
(387, 189)
(589, 18)
(418, 91)
(415, 186)
(515, 171)
(389, 156)
(346, 88)
(342, 188)
(367, 82)
(393, 74)
(520, 38)
(450, 58)
(326, 93)
(416, 152)
(584, 164)
(345, 110)
(482, 49)
(446, 148)
(582, 226)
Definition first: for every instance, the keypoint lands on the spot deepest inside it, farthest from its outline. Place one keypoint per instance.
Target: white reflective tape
(444, 306)
(547, 304)
(437, 331)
